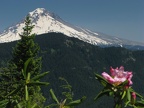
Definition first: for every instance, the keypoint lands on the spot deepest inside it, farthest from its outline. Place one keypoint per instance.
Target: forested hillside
(77, 61)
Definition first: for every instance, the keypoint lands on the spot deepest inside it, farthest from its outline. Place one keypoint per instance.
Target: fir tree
(25, 49)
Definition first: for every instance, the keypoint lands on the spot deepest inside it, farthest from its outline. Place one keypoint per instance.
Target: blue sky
(121, 18)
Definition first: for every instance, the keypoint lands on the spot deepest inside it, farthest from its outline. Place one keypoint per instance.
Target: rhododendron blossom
(118, 76)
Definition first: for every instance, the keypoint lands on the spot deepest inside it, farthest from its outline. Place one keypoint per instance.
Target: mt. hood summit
(46, 22)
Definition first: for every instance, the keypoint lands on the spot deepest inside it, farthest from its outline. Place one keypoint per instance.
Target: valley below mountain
(77, 61)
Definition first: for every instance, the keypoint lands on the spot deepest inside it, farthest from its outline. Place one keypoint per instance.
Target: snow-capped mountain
(45, 22)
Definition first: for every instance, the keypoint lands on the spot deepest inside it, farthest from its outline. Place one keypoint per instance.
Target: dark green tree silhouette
(25, 49)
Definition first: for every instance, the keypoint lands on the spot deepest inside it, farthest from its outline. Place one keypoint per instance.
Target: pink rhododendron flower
(118, 76)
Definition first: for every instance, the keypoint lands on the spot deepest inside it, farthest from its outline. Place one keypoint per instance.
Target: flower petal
(108, 77)
(129, 77)
(117, 79)
(121, 68)
(112, 71)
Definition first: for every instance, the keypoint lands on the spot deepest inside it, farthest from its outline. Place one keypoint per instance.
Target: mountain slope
(77, 61)
(45, 22)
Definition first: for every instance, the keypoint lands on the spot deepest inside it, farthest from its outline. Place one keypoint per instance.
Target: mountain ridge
(46, 22)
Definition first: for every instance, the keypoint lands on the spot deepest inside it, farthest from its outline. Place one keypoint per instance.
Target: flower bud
(133, 97)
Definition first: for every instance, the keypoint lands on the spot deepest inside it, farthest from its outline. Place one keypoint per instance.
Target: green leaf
(26, 64)
(34, 106)
(36, 83)
(24, 71)
(63, 103)
(128, 95)
(101, 80)
(126, 103)
(26, 93)
(123, 95)
(76, 102)
(52, 105)
(39, 76)
(137, 94)
(53, 96)
(28, 77)
(139, 104)
(24, 74)
(102, 93)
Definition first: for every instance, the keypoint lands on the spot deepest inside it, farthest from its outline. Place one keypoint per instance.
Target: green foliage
(29, 100)
(28, 82)
(20, 81)
(67, 89)
(67, 102)
(26, 48)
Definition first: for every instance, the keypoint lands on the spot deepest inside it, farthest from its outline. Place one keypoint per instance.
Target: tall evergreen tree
(25, 49)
